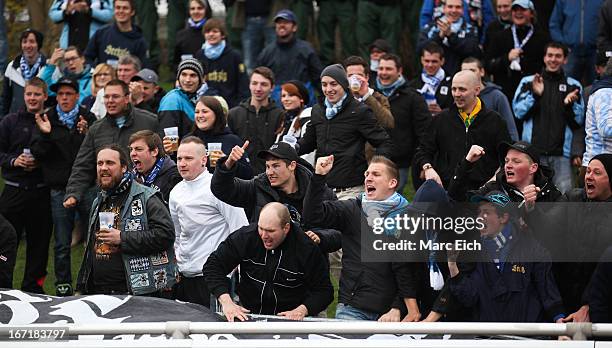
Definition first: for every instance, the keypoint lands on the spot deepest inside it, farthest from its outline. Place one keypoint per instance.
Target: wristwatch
(427, 166)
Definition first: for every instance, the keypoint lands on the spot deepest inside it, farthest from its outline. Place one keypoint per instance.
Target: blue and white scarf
(436, 279)
(496, 246)
(213, 52)
(332, 110)
(150, 178)
(389, 208)
(68, 118)
(28, 72)
(430, 84)
(120, 121)
(196, 25)
(200, 92)
(124, 185)
(515, 64)
(388, 90)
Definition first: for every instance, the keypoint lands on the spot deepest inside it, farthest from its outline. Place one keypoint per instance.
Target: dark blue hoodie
(108, 43)
(522, 291)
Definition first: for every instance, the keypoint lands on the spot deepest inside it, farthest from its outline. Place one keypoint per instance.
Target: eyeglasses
(114, 96)
(71, 59)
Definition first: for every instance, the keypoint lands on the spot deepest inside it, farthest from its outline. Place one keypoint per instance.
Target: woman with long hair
(294, 97)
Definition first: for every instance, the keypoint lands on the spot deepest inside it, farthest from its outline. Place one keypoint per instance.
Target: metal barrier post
(579, 331)
(177, 329)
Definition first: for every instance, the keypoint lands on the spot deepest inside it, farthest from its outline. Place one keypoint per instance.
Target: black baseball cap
(521, 146)
(280, 150)
(64, 81)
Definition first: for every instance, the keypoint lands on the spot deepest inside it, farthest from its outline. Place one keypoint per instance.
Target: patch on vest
(133, 225)
(562, 87)
(137, 207)
(159, 259)
(444, 90)
(161, 279)
(139, 280)
(139, 264)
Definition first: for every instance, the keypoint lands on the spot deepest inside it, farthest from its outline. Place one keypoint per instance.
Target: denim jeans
(64, 220)
(3, 40)
(581, 65)
(563, 171)
(348, 312)
(255, 36)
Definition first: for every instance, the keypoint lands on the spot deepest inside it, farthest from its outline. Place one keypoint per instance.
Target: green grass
(77, 257)
(49, 285)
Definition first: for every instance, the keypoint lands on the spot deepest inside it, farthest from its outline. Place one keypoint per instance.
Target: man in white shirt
(201, 221)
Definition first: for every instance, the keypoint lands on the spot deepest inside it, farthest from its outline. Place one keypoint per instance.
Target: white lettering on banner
(80, 310)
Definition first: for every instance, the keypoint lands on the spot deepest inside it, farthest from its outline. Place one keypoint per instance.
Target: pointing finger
(246, 144)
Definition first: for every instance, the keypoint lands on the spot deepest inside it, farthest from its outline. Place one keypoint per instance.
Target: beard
(106, 184)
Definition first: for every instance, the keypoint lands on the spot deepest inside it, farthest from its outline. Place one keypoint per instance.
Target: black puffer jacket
(56, 151)
(260, 128)
(271, 281)
(344, 136)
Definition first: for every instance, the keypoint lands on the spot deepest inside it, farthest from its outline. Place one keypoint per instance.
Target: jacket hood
(168, 165)
(489, 87)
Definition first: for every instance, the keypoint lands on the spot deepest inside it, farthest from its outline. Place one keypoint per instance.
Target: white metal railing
(182, 329)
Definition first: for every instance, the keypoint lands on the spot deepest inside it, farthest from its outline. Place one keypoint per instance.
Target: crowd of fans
(253, 180)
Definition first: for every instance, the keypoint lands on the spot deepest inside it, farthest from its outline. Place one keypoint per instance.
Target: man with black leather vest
(130, 249)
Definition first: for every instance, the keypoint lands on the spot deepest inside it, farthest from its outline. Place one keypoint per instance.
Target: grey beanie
(191, 64)
(336, 72)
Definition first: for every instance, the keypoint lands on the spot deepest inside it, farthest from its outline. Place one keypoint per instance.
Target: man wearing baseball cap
(286, 180)
(56, 140)
(304, 62)
(509, 256)
(145, 92)
(522, 176)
